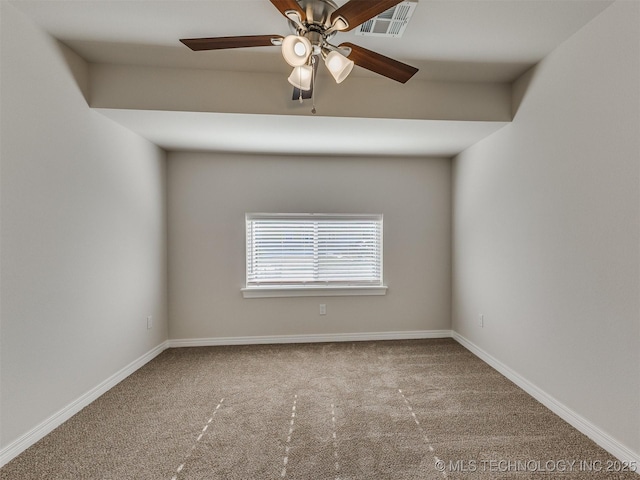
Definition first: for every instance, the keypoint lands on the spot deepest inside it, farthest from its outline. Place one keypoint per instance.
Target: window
(313, 254)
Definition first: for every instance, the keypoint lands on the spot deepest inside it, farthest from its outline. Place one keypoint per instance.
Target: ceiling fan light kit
(338, 65)
(314, 23)
(296, 50)
(301, 77)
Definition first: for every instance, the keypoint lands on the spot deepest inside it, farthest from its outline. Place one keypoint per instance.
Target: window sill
(314, 291)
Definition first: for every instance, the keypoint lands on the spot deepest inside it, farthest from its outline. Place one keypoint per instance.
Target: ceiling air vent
(390, 23)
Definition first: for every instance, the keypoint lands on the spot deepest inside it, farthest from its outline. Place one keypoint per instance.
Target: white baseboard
(620, 451)
(32, 436)
(311, 338)
(614, 447)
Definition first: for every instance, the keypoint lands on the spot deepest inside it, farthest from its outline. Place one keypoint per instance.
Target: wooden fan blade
(388, 67)
(286, 5)
(356, 12)
(219, 43)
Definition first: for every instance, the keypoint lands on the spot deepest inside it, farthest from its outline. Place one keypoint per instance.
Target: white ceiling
(497, 32)
(449, 40)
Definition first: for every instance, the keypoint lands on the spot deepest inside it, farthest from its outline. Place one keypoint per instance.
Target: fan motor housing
(318, 13)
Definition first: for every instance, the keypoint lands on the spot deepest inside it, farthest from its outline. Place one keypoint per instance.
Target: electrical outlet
(323, 309)
(149, 322)
(481, 321)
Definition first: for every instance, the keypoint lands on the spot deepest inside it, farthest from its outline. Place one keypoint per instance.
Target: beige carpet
(424, 409)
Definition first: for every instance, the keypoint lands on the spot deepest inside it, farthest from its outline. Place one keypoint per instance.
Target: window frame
(316, 288)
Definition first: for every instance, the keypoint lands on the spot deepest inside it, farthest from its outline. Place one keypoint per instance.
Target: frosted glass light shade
(301, 77)
(339, 65)
(296, 50)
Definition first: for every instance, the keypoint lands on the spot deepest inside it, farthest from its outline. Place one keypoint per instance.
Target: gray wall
(210, 193)
(546, 228)
(83, 235)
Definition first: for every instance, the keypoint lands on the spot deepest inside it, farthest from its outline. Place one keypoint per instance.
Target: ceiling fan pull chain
(300, 83)
(313, 85)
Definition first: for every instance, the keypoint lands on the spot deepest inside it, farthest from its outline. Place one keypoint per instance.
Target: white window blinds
(314, 249)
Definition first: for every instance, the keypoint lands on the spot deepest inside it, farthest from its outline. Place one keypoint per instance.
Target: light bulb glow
(334, 63)
(299, 49)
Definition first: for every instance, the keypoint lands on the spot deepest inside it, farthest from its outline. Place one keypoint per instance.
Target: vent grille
(390, 23)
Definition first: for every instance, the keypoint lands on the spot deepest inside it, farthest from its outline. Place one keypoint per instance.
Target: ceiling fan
(315, 22)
